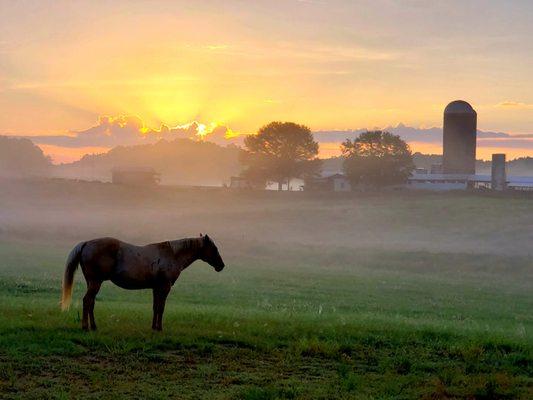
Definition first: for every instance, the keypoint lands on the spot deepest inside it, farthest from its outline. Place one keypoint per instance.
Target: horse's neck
(186, 251)
(186, 257)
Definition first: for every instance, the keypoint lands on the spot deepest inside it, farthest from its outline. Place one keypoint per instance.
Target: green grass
(389, 325)
(370, 297)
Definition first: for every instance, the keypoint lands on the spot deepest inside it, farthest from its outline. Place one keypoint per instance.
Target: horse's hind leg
(88, 304)
(97, 286)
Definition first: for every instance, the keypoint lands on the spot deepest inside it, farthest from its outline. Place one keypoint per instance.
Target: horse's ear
(201, 235)
(207, 238)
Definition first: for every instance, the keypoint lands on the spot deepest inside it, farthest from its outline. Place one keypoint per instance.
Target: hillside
(180, 162)
(190, 162)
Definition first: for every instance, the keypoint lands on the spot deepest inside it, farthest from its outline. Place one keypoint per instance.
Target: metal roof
(459, 107)
(511, 180)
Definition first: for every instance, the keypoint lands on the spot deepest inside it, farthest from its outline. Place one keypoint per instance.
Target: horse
(155, 266)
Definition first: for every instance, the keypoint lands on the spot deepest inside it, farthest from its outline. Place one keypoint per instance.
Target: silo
(459, 138)
(499, 175)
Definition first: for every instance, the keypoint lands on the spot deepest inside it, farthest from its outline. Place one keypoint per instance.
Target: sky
(330, 64)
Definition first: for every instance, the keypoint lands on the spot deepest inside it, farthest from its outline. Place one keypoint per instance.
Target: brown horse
(155, 266)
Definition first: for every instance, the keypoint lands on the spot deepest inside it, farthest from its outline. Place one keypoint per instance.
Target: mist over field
(341, 287)
(457, 223)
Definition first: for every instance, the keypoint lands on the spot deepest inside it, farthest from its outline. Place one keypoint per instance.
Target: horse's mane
(185, 244)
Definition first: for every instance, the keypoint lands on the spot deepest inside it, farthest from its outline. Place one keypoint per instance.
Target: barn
(329, 182)
(135, 176)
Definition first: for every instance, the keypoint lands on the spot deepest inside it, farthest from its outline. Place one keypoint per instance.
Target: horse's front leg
(155, 308)
(160, 297)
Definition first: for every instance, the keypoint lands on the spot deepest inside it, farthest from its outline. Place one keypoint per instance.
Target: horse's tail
(73, 261)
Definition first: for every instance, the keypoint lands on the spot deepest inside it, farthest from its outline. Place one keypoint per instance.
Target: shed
(238, 182)
(332, 183)
(135, 176)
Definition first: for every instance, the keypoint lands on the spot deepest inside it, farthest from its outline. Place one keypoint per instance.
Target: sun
(201, 130)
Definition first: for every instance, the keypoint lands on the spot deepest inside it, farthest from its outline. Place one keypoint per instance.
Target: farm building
(522, 183)
(135, 176)
(238, 182)
(459, 156)
(438, 181)
(444, 182)
(333, 183)
(459, 138)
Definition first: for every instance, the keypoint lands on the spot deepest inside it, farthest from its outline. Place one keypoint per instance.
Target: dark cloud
(130, 130)
(430, 135)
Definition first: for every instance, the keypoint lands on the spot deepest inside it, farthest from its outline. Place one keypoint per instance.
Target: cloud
(213, 47)
(407, 133)
(432, 136)
(515, 104)
(511, 143)
(127, 130)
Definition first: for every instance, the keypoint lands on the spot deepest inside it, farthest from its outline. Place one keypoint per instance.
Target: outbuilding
(331, 183)
(135, 176)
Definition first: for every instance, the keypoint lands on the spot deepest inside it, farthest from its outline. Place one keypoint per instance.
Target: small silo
(459, 138)
(499, 175)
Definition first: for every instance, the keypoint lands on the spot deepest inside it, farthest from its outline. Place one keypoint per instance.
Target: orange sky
(60, 154)
(337, 64)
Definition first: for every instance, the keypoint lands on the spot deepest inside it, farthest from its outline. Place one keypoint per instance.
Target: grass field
(375, 296)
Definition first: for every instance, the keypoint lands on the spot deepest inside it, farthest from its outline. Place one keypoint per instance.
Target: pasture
(356, 296)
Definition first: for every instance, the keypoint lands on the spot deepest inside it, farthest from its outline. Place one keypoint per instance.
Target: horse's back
(100, 257)
(101, 246)
(127, 265)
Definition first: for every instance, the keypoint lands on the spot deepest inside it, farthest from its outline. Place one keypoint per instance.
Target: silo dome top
(459, 107)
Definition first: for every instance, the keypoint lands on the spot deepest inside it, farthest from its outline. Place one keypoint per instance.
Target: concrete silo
(459, 138)
(499, 175)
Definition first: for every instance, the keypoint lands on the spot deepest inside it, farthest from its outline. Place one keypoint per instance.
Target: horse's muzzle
(219, 268)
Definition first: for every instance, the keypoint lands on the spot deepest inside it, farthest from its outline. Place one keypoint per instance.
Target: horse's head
(209, 253)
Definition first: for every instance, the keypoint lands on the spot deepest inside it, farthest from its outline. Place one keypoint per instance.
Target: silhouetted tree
(279, 152)
(20, 157)
(377, 158)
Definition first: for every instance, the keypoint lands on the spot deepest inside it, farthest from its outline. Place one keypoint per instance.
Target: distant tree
(20, 157)
(279, 152)
(377, 158)
(180, 162)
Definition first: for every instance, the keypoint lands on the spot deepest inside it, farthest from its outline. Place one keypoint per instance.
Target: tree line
(281, 151)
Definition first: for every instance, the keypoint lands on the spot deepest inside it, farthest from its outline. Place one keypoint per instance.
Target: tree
(377, 158)
(20, 157)
(279, 152)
